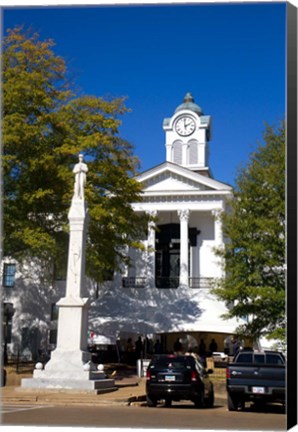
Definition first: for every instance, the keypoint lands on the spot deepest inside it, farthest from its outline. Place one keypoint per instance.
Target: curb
(130, 401)
(124, 393)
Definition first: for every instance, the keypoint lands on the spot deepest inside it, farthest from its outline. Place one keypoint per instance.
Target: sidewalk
(129, 391)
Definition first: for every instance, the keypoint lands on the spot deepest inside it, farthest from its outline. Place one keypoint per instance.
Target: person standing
(157, 347)
(178, 347)
(139, 348)
(212, 346)
(202, 349)
(129, 351)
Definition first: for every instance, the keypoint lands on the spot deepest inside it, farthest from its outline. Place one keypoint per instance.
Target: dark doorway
(167, 264)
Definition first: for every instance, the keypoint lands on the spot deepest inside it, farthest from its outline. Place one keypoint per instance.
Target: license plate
(258, 390)
(170, 378)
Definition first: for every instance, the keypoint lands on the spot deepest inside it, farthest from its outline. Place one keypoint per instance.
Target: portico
(185, 228)
(173, 251)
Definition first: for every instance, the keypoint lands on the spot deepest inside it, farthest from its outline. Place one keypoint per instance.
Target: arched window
(177, 152)
(193, 153)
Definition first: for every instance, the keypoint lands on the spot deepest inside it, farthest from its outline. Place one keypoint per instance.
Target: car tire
(3, 378)
(199, 400)
(168, 402)
(151, 401)
(259, 404)
(209, 401)
(232, 403)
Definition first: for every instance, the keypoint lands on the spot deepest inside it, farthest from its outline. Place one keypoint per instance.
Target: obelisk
(70, 366)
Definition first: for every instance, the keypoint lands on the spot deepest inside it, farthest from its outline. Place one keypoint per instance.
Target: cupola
(188, 133)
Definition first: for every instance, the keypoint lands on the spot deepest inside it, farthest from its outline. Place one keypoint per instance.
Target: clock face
(185, 126)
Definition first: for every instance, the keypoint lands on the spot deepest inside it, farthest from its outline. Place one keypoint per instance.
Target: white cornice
(204, 194)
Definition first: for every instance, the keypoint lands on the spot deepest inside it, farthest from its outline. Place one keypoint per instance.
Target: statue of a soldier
(80, 170)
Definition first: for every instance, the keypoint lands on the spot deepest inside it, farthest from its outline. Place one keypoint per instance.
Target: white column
(151, 251)
(169, 154)
(184, 216)
(218, 233)
(219, 241)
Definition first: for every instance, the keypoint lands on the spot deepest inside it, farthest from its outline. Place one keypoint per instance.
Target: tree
(254, 255)
(45, 127)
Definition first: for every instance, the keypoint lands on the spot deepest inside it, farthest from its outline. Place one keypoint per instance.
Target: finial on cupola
(189, 104)
(188, 97)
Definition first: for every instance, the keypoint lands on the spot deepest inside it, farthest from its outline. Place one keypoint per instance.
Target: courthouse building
(166, 291)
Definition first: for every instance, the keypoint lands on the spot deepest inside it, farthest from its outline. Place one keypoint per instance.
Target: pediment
(169, 181)
(169, 177)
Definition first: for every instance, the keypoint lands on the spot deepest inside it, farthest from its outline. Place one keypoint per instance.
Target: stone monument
(70, 366)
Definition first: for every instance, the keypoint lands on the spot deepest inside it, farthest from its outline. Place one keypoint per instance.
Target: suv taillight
(148, 374)
(194, 376)
(228, 373)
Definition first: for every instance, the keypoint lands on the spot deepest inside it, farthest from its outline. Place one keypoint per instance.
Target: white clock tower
(188, 133)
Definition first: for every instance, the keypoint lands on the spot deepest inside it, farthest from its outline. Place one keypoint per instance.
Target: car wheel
(209, 401)
(199, 400)
(232, 403)
(259, 404)
(151, 401)
(242, 404)
(168, 402)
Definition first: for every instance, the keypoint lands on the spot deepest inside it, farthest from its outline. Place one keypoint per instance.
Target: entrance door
(167, 256)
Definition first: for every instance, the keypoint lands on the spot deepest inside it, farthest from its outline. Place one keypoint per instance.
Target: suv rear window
(174, 362)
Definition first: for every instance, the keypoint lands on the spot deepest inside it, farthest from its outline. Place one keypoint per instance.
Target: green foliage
(254, 255)
(45, 127)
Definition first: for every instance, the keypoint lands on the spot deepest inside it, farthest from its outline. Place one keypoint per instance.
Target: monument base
(98, 386)
(69, 370)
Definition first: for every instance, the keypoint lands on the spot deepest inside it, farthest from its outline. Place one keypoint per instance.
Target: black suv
(178, 377)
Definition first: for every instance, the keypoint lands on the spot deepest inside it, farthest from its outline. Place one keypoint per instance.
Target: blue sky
(231, 57)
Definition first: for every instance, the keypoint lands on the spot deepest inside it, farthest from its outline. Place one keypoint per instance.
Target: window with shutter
(9, 271)
(193, 153)
(177, 153)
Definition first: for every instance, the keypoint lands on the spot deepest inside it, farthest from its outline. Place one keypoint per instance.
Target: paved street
(14, 408)
(179, 416)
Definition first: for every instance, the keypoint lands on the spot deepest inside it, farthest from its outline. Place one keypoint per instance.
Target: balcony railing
(201, 282)
(134, 282)
(168, 282)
